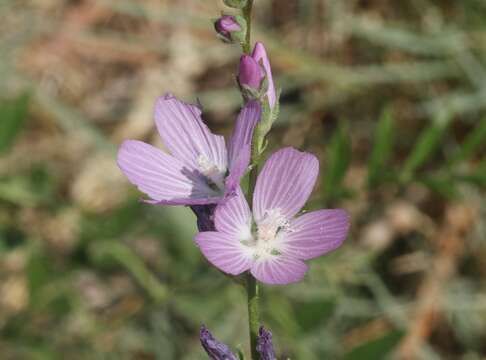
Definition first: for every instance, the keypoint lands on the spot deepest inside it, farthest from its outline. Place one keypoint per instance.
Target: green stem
(247, 15)
(253, 313)
(251, 282)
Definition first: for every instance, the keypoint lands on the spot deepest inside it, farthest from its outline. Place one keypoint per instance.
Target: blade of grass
(473, 142)
(338, 160)
(13, 115)
(382, 148)
(425, 146)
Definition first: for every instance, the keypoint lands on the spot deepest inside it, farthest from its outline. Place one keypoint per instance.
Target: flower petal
(285, 183)
(233, 216)
(224, 251)
(239, 148)
(278, 269)
(185, 135)
(161, 176)
(316, 233)
(237, 171)
(260, 55)
(243, 132)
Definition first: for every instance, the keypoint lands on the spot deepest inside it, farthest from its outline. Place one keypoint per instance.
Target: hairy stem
(253, 313)
(251, 282)
(247, 15)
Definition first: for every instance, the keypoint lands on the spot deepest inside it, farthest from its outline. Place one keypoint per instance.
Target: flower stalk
(253, 313)
(247, 15)
(251, 282)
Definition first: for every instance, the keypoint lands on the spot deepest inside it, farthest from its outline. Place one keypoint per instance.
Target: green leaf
(338, 160)
(444, 185)
(475, 139)
(311, 314)
(39, 274)
(376, 348)
(13, 114)
(476, 177)
(381, 149)
(101, 250)
(428, 141)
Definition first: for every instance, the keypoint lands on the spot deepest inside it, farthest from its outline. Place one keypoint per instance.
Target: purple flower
(215, 349)
(226, 25)
(201, 169)
(259, 54)
(276, 250)
(264, 345)
(250, 73)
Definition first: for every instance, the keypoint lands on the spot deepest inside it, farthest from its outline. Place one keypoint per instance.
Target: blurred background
(391, 96)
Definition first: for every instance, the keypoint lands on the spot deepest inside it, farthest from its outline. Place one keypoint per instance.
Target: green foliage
(338, 159)
(472, 144)
(424, 148)
(382, 149)
(13, 115)
(312, 314)
(102, 250)
(376, 348)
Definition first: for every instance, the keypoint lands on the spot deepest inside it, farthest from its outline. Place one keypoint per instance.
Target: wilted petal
(214, 348)
(205, 216)
(233, 216)
(159, 175)
(185, 134)
(316, 233)
(264, 345)
(285, 183)
(260, 55)
(224, 251)
(278, 269)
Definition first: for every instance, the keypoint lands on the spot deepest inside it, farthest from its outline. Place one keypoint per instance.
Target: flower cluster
(270, 240)
(263, 234)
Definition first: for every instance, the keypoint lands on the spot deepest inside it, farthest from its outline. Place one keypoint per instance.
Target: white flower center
(265, 241)
(212, 172)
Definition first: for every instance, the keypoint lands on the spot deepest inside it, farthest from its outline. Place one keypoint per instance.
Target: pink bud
(226, 25)
(260, 56)
(250, 73)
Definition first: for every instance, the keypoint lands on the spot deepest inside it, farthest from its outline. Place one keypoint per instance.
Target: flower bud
(259, 54)
(214, 348)
(226, 26)
(250, 74)
(264, 345)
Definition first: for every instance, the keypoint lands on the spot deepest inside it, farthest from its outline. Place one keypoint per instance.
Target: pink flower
(201, 169)
(276, 250)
